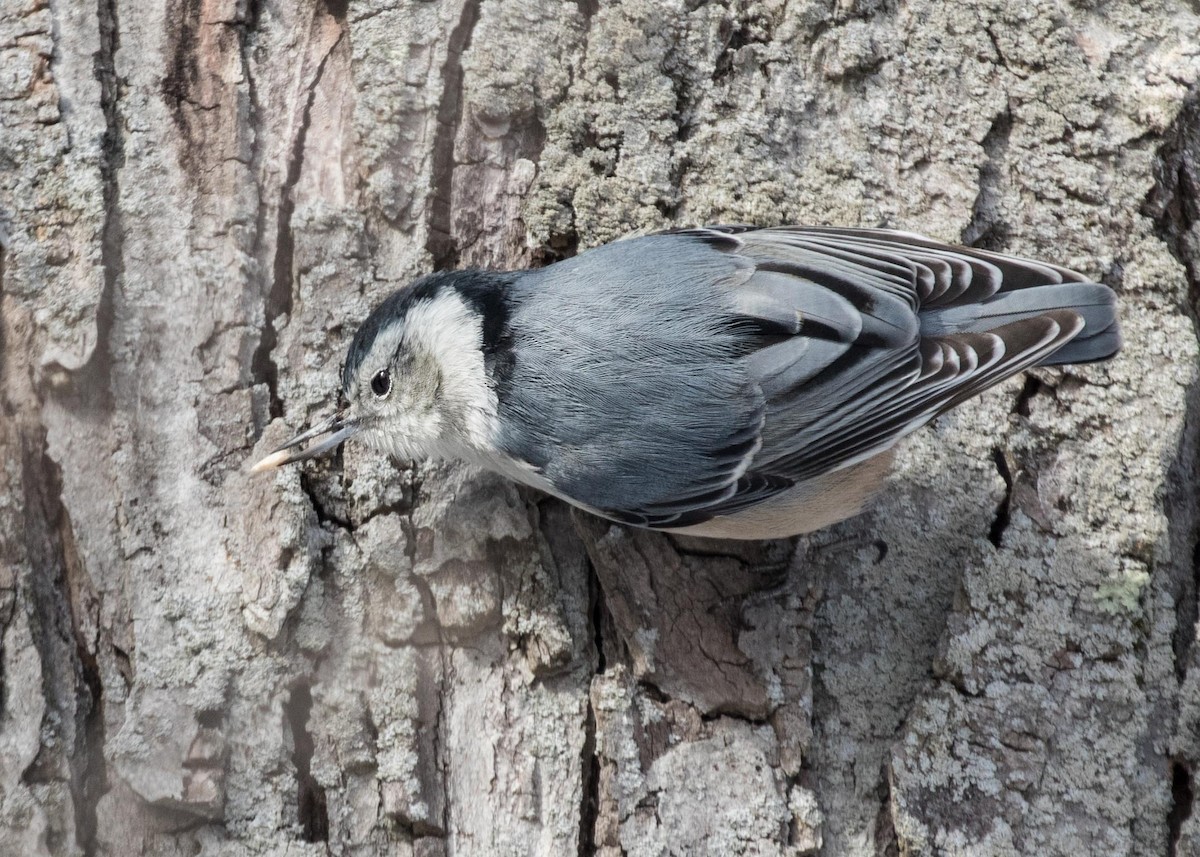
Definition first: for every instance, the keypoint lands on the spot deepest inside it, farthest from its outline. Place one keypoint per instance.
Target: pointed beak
(337, 427)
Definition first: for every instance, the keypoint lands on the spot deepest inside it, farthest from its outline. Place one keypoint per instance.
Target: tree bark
(200, 200)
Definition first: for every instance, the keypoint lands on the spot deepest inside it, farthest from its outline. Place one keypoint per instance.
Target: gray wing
(840, 341)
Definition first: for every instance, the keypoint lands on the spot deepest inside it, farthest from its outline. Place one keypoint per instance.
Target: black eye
(381, 383)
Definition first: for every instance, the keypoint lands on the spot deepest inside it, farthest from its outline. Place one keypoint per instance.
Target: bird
(734, 382)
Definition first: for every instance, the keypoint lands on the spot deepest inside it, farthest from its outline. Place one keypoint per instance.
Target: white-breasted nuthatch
(726, 381)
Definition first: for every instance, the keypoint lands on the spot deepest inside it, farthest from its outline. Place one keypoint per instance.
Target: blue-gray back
(627, 384)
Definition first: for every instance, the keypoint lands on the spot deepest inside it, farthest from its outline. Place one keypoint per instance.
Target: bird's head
(415, 383)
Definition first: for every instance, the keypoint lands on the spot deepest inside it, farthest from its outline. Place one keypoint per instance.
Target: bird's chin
(397, 447)
(411, 434)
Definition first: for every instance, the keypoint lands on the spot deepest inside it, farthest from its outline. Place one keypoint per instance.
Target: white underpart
(447, 329)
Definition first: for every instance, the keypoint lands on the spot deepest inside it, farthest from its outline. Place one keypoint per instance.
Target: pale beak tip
(270, 462)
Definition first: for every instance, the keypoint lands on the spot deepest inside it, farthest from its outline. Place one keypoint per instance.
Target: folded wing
(872, 334)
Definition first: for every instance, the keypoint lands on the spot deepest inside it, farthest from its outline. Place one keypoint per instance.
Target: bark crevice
(886, 842)
(280, 296)
(1182, 802)
(89, 775)
(987, 228)
(66, 636)
(312, 810)
(1173, 204)
(589, 801)
(589, 766)
(1004, 507)
(441, 243)
(112, 160)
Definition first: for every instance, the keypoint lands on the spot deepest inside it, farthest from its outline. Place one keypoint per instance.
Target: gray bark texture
(199, 201)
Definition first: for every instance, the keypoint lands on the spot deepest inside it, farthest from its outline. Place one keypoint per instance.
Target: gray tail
(1099, 339)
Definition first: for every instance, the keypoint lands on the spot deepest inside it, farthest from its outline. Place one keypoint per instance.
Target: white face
(422, 391)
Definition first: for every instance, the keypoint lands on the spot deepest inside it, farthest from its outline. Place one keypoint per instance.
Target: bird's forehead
(381, 333)
(387, 342)
(431, 321)
(392, 314)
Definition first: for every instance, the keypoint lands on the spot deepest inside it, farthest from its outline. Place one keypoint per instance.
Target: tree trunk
(199, 203)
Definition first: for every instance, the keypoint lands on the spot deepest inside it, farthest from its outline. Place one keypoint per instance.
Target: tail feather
(1099, 338)
(1087, 347)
